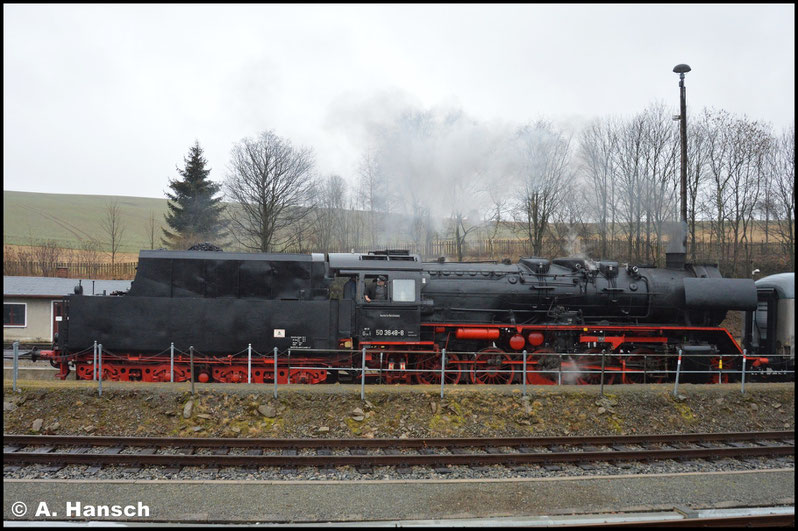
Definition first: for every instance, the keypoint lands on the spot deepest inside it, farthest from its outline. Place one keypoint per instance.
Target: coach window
(404, 290)
(14, 314)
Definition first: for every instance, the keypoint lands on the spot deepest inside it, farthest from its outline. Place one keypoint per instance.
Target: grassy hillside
(71, 219)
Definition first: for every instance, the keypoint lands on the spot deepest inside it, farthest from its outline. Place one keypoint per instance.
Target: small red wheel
(492, 366)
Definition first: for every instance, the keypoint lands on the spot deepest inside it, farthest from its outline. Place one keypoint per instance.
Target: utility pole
(682, 69)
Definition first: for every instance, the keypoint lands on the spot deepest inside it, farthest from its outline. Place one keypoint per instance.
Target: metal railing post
(100, 375)
(363, 376)
(559, 370)
(94, 364)
(275, 372)
(172, 362)
(523, 376)
(191, 359)
(249, 363)
(443, 369)
(602, 373)
(742, 390)
(678, 368)
(381, 367)
(720, 370)
(16, 363)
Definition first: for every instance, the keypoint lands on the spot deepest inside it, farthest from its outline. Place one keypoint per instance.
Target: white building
(32, 306)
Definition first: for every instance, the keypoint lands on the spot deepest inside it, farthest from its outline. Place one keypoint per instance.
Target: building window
(14, 314)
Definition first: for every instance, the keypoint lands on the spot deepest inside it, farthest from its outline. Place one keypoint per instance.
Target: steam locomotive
(222, 315)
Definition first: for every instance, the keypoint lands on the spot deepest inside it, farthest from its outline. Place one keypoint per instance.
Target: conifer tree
(194, 215)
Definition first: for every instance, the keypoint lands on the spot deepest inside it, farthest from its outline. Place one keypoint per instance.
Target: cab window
(404, 290)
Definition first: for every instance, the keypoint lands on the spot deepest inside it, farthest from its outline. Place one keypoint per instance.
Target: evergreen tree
(194, 215)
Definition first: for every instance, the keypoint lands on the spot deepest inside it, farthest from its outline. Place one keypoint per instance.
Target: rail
(492, 451)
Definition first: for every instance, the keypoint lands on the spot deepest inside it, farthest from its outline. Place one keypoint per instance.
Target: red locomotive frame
(632, 354)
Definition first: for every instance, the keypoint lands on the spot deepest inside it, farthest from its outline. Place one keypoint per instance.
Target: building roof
(58, 287)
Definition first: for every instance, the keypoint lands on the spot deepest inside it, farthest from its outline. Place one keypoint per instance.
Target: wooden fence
(119, 271)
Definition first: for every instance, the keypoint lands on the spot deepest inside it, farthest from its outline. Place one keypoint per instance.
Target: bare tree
(113, 228)
(570, 227)
(270, 182)
(46, 255)
(494, 219)
(784, 192)
(462, 225)
(546, 176)
(151, 227)
(329, 215)
(696, 175)
(90, 256)
(661, 180)
(598, 147)
(372, 194)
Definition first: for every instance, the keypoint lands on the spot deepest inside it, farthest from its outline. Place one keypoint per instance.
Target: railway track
(59, 451)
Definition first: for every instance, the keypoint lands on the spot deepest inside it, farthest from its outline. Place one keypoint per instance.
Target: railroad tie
(113, 450)
(142, 451)
(78, 450)
(43, 450)
(288, 469)
(325, 452)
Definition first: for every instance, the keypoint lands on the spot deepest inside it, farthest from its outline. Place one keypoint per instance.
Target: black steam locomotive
(568, 314)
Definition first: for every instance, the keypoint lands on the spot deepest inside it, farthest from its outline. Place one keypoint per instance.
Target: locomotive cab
(394, 316)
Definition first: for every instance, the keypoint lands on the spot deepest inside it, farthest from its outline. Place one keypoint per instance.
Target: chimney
(676, 254)
(61, 272)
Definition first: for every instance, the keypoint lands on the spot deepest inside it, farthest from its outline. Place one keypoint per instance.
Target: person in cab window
(377, 291)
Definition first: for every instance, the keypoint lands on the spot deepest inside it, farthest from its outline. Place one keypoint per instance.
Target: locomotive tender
(564, 312)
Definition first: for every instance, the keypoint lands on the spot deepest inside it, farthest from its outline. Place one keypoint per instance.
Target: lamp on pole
(682, 69)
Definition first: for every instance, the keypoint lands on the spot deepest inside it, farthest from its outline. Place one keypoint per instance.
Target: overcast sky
(102, 99)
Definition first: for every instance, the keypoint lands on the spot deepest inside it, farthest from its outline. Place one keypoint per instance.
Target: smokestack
(676, 253)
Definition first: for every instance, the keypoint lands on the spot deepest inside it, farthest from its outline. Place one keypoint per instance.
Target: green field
(70, 220)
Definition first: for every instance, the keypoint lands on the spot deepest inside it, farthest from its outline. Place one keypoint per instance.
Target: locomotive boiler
(567, 314)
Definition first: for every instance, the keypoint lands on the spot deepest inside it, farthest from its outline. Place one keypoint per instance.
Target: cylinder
(517, 342)
(535, 338)
(477, 333)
